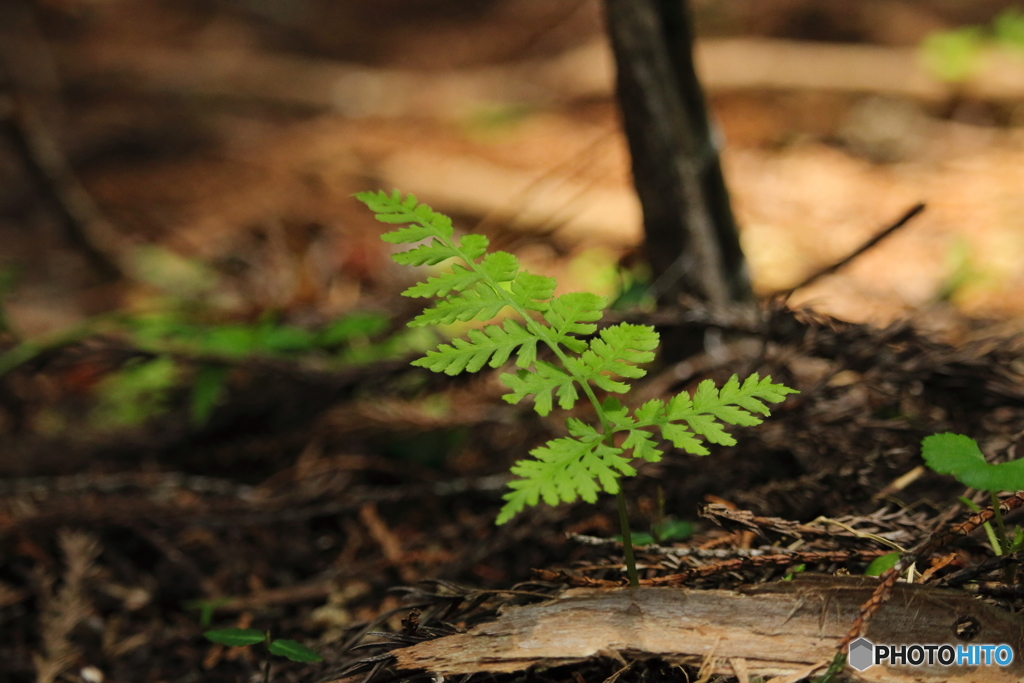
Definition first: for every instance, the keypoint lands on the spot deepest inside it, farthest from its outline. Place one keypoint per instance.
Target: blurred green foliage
(666, 530)
(201, 356)
(8, 277)
(188, 347)
(954, 56)
(135, 392)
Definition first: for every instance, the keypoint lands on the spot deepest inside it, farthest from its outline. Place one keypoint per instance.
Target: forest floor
(229, 433)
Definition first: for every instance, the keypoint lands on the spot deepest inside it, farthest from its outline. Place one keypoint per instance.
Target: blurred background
(208, 149)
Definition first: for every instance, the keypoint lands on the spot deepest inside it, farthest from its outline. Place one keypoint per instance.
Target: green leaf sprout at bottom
(240, 637)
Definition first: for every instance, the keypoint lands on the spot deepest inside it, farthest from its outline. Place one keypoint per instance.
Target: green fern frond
(577, 466)
(641, 441)
(544, 379)
(457, 280)
(533, 291)
(500, 266)
(702, 416)
(617, 350)
(476, 303)
(426, 255)
(394, 208)
(575, 313)
(709, 407)
(643, 445)
(493, 345)
(479, 286)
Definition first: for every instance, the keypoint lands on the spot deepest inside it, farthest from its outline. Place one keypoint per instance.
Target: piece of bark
(779, 630)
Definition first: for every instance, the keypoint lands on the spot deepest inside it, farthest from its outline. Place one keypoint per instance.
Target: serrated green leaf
(775, 393)
(706, 426)
(407, 235)
(235, 637)
(580, 429)
(532, 291)
(643, 444)
(501, 266)
(515, 500)
(731, 389)
(426, 255)
(457, 280)
(618, 415)
(476, 303)
(735, 416)
(566, 469)
(616, 351)
(395, 208)
(960, 456)
(679, 406)
(491, 345)
(474, 246)
(650, 413)
(683, 439)
(379, 201)
(706, 396)
(752, 405)
(572, 314)
(297, 652)
(545, 379)
(733, 404)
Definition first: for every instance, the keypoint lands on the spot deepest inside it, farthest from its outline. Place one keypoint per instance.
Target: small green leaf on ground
(882, 564)
(297, 652)
(960, 456)
(235, 637)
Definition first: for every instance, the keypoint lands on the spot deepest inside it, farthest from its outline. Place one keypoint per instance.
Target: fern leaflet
(491, 346)
(580, 465)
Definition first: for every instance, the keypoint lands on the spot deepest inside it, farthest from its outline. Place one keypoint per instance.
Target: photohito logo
(863, 654)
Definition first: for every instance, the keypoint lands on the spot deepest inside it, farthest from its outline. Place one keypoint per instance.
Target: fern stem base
(627, 541)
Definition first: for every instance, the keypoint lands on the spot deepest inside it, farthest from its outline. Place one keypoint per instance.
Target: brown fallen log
(784, 630)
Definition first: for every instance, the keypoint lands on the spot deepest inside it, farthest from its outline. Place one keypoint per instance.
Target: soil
(325, 501)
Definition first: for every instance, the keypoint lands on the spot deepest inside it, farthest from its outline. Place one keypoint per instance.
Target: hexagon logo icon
(862, 654)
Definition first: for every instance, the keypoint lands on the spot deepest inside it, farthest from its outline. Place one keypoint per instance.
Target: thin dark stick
(86, 228)
(903, 220)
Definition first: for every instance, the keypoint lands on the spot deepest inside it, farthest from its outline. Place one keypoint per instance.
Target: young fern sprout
(482, 285)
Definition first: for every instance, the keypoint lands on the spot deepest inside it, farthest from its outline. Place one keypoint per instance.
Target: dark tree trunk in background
(691, 238)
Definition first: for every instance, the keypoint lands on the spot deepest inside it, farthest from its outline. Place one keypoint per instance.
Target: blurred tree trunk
(691, 238)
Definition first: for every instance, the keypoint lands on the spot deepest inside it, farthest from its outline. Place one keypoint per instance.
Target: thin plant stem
(266, 665)
(990, 533)
(834, 669)
(998, 514)
(627, 541)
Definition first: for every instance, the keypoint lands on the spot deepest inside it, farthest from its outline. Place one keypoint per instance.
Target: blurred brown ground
(192, 126)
